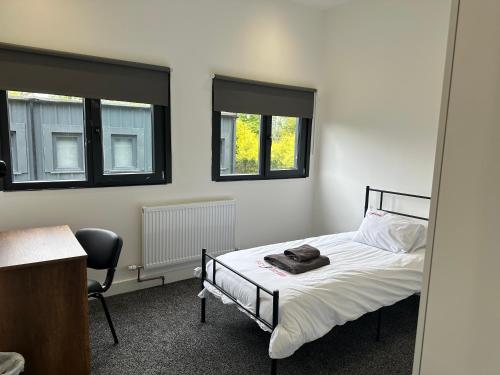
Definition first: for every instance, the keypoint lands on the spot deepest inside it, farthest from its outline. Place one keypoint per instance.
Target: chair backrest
(103, 249)
(102, 246)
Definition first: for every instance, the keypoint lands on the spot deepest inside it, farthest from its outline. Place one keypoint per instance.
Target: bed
(297, 309)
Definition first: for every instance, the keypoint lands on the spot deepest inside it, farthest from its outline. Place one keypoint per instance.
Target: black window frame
(95, 177)
(265, 171)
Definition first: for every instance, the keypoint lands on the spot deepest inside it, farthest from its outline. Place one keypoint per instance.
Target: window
(127, 137)
(285, 135)
(250, 145)
(240, 143)
(47, 141)
(81, 121)
(49, 135)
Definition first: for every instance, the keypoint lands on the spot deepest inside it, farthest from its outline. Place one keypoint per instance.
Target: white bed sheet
(360, 279)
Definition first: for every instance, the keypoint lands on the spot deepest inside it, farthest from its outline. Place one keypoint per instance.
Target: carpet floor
(160, 333)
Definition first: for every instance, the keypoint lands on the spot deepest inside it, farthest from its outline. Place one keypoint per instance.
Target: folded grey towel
(302, 253)
(288, 264)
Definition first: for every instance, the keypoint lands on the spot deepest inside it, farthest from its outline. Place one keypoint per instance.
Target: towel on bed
(302, 253)
(288, 264)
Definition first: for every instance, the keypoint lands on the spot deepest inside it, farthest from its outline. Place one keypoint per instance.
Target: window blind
(45, 71)
(244, 96)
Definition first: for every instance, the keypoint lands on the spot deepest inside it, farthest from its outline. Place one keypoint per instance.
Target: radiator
(176, 234)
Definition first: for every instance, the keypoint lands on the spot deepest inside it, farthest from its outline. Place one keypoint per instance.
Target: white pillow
(391, 232)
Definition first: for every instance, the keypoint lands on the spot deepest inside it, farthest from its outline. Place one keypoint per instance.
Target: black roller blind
(245, 96)
(44, 71)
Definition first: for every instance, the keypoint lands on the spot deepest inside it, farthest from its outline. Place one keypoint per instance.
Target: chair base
(100, 297)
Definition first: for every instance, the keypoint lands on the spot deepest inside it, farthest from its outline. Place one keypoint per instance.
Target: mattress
(360, 279)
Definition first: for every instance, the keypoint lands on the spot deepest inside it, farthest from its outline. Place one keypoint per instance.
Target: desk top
(27, 247)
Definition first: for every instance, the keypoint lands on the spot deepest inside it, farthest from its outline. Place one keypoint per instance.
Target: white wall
(384, 70)
(462, 300)
(266, 40)
(382, 62)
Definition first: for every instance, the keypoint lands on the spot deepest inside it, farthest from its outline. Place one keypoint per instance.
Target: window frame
(265, 171)
(93, 152)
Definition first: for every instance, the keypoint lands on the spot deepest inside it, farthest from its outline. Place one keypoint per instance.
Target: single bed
(297, 309)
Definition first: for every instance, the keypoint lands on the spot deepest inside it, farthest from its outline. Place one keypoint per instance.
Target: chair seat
(93, 286)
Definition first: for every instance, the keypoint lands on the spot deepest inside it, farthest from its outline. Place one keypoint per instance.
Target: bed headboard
(387, 192)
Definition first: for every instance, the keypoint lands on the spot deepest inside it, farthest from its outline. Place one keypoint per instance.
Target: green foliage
(248, 138)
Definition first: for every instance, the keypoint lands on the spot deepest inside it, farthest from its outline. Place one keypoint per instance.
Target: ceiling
(320, 3)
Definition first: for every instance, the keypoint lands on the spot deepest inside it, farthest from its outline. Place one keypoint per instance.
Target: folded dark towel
(302, 253)
(288, 264)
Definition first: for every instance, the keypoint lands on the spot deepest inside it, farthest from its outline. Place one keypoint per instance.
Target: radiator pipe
(140, 280)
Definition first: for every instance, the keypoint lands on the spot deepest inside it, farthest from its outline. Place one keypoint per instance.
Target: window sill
(255, 178)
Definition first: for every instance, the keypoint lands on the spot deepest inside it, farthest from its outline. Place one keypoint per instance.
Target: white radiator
(176, 233)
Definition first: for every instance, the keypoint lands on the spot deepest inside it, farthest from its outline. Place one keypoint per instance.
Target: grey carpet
(160, 333)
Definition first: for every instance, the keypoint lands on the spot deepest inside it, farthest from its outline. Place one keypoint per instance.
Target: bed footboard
(258, 290)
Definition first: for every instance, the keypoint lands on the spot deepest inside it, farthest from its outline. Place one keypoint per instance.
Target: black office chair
(103, 248)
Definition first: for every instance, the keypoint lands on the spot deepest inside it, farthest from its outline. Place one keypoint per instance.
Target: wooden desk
(43, 300)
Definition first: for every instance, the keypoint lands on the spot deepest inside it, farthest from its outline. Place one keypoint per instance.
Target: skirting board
(172, 275)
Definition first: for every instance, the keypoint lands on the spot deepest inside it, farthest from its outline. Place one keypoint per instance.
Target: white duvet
(360, 279)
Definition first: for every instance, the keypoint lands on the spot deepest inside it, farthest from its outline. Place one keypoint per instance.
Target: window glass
(284, 146)
(47, 137)
(127, 137)
(240, 143)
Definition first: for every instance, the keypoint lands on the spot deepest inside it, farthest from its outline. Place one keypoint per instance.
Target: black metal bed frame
(275, 294)
(380, 208)
(381, 201)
